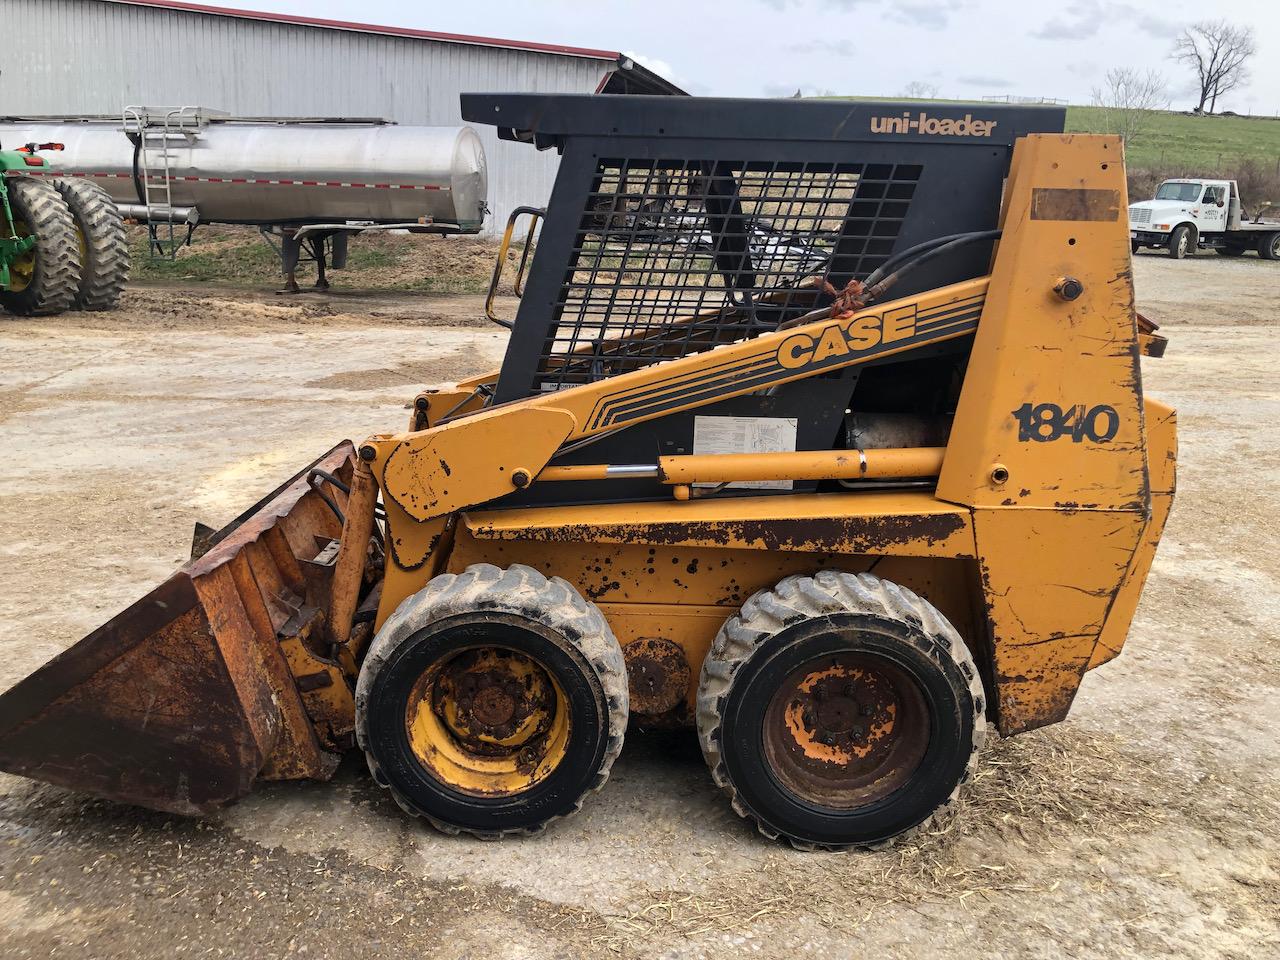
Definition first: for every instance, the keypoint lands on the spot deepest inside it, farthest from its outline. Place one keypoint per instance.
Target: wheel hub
(493, 708)
(488, 721)
(846, 730)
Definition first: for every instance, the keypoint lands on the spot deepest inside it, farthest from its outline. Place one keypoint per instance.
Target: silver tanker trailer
(309, 183)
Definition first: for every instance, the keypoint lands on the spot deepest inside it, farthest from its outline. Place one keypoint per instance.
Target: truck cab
(1191, 214)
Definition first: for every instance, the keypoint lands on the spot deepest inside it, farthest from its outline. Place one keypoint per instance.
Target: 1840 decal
(1043, 422)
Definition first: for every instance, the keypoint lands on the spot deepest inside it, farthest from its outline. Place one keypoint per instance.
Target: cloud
(842, 47)
(930, 16)
(1150, 24)
(980, 80)
(1078, 26)
(1088, 17)
(1083, 68)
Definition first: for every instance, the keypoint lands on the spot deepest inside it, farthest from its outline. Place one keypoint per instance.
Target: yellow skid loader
(820, 430)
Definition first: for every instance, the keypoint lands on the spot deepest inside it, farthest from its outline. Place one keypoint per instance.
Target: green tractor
(62, 241)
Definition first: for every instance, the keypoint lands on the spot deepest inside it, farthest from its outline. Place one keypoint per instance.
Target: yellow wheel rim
(22, 271)
(488, 721)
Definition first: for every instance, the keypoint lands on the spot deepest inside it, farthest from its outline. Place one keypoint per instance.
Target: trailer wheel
(46, 279)
(492, 701)
(839, 710)
(104, 249)
(1269, 246)
(1182, 242)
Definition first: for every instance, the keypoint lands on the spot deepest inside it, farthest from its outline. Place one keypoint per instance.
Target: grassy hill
(1182, 140)
(1178, 141)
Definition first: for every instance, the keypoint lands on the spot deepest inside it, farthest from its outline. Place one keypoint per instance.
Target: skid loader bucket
(217, 677)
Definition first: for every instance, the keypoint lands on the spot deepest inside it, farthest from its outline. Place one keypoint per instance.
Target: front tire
(44, 281)
(492, 701)
(1182, 242)
(839, 710)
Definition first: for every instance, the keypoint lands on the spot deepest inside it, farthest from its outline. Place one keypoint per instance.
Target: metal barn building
(87, 57)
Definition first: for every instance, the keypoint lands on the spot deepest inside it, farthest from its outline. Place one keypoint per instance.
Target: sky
(767, 48)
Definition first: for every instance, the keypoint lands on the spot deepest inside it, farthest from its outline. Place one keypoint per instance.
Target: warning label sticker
(745, 435)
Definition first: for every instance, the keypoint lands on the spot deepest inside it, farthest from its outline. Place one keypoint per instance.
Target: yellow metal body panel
(1033, 347)
(1049, 578)
(894, 523)
(1162, 454)
(416, 553)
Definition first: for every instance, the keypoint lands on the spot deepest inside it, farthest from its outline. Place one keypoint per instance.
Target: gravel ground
(1145, 826)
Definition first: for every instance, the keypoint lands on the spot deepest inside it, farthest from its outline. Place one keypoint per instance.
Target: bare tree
(919, 90)
(1218, 52)
(1127, 100)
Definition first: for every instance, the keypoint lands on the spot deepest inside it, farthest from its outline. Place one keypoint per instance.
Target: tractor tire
(104, 248)
(1269, 246)
(47, 279)
(840, 710)
(492, 702)
(1182, 242)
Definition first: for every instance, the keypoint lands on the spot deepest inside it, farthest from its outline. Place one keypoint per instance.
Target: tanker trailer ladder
(153, 172)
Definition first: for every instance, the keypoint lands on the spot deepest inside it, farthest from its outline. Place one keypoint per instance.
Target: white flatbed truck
(1202, 214)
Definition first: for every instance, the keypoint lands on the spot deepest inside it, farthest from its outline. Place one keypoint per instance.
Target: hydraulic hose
(880, 281)
(922, 252)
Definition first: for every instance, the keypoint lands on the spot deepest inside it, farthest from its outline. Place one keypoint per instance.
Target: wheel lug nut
(867, 711)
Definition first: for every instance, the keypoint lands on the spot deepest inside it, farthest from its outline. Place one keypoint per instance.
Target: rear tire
(46, 281)
(103, 246)
(1182, 242)
(1269, 246)
(839, 710)
(492, 701)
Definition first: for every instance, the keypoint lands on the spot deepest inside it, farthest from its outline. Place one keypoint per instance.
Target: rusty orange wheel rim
(846, 730)
(488, 721)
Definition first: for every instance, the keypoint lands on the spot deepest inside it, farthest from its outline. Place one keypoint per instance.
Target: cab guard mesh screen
(675, 257)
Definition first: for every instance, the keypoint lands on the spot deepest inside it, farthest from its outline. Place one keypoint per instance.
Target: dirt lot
(1145, 826)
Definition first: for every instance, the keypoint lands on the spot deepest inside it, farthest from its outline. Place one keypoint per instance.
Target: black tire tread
(1192, 241)
(519, 590)
(57, 274)
(801, 597)
(106, 268)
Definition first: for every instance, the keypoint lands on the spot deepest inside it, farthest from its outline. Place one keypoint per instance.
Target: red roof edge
(373, 28)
